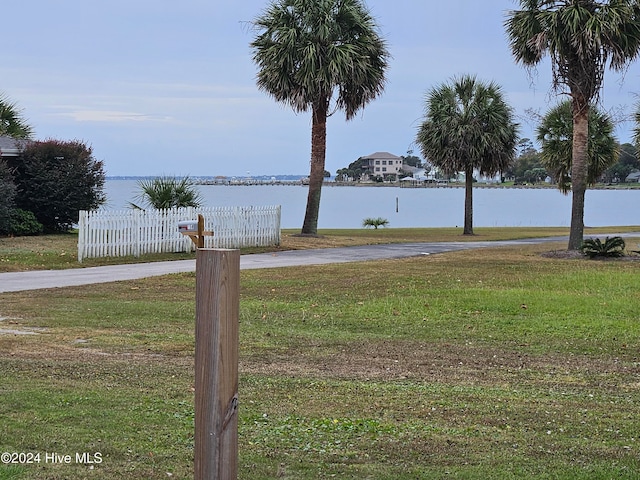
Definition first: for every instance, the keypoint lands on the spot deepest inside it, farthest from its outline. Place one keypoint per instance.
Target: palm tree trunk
(578, 173)
(468, 202)
(316, 176)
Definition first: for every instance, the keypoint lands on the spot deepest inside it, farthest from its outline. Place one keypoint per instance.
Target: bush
(7, 196)
(375, 222)
(55, 180)
(24, 223)
(168, 192)
(612, 247)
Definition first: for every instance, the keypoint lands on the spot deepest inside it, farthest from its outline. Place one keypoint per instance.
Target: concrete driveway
(34, 280)
(19, 281)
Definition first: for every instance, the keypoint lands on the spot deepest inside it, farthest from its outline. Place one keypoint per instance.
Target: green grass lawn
(495, 363)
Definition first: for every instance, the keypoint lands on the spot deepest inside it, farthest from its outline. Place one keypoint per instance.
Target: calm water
(346, 207)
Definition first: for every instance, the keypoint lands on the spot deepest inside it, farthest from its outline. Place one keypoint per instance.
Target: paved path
(19, 281)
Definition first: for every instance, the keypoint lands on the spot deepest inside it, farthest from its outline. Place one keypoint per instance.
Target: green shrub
(7, 197)
(55, 180)
(612, 247)
(168, 192)
(24, 223)
(375, 222)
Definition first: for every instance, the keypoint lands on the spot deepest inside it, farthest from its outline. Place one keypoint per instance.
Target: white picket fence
(118, 233)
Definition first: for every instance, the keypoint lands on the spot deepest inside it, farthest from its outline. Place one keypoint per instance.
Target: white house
(419, 175)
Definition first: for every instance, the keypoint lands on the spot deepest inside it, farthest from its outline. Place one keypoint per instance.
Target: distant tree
(627, 163)
(310, 51)
(57, 179)
(7, 197)
(468, 126)
(411, 160)
(581, 37)
(527, 164)
(167, 192)
(12, 123)
(525, 145)
(342, 175)
(555, 133)
(354, 170)
(534, 175)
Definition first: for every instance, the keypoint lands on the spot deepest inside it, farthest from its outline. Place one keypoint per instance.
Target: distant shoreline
(252, 182)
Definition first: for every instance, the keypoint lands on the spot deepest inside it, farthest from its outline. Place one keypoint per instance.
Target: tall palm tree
(581, 37)
(555, 133)
(12, 123)
(310, 52)
(468, 126)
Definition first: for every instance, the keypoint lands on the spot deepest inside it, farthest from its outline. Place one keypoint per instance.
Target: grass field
(497, 363)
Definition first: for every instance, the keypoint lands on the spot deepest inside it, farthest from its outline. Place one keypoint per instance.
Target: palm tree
(636, 129)
(12, 124)
(468, 126)
(581, 37)
(168, 192)
(307, 53)
(555, 133)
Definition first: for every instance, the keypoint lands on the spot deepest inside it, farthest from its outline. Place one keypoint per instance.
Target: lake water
(346, 207)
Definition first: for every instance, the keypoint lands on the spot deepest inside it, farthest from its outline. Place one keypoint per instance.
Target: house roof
(633, 176)
(9, 146)
(381, 156)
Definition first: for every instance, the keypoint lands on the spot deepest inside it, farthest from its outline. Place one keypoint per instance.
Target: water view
(346, 207)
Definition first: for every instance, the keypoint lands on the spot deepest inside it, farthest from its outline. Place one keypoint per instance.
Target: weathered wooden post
(216, 397)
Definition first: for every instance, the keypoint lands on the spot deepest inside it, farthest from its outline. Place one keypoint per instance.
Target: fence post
(82, 230)
(216, 364)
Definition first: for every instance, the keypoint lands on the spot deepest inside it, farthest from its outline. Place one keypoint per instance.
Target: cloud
(111, 116)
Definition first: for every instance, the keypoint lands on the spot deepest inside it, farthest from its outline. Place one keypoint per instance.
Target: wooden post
(197, 237)
(200, 243)
(216, 397)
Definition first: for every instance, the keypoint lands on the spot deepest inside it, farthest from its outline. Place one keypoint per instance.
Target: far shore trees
(321, 56)
(580, 37)
(468, 126)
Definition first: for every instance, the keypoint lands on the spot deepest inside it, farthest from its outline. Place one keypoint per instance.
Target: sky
(159, 87)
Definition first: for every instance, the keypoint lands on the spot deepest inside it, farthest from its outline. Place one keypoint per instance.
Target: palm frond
(167, 192)
(308, 51)
(555, 133)
(12, 122)
(580, 37)
(468, 123)
(612, 247)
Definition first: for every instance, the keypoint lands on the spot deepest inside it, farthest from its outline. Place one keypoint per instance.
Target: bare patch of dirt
(444, 363)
